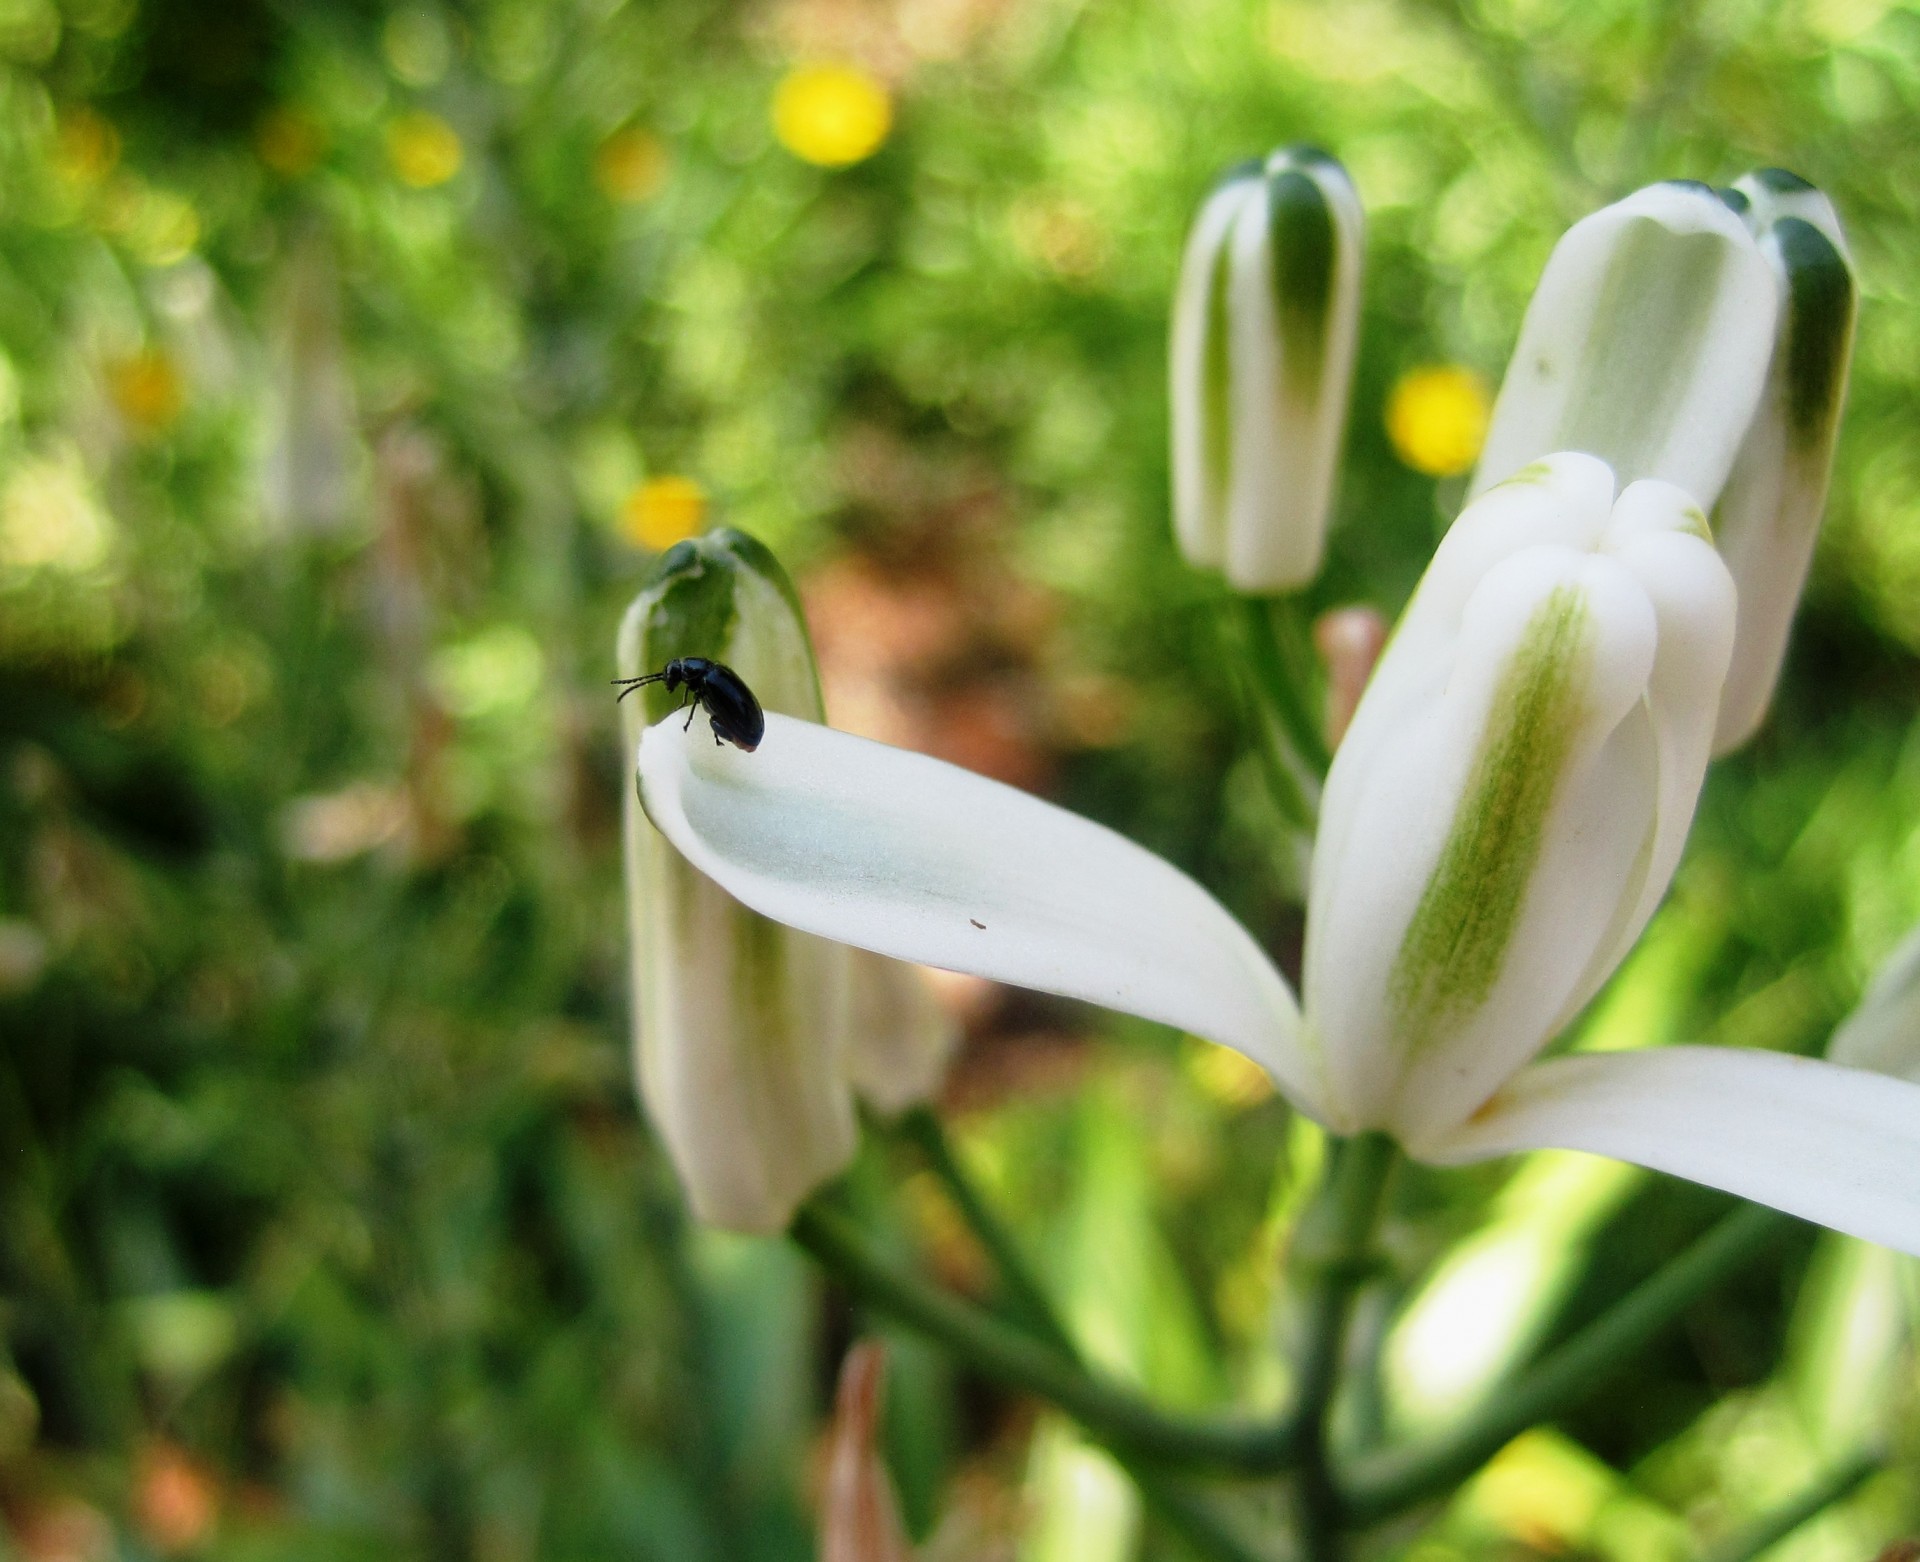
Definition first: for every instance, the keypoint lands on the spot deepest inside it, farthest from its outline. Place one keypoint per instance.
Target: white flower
(749, 1036)
(1512, 797)
(1264, 326)
(1523, 769)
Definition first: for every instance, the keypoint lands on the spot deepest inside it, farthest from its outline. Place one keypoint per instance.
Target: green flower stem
(1114, 1415)
(1387, 1483)
(1334, 1250)
(1185, 1512)
(1839, 1483)
(1030, 1302)
(1288, 673)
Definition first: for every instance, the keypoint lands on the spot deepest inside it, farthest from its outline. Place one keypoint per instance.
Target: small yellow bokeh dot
(423, 149)
(86, 147)
(662, 511)
(1437, 418)
(831, 115)
(289, 142)
(147, 389)
(630, 165)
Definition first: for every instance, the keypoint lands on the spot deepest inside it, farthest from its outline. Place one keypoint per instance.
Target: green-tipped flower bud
(740, 1024)
(1769, 514)
(1646, 344)
(1264, 327)
(749, 1037)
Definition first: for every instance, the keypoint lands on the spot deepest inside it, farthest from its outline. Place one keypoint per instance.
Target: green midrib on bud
(1305, 251)
(1216, 387)
(1655, 308)
(1457, 940)
(691, 615)
(1818, 328)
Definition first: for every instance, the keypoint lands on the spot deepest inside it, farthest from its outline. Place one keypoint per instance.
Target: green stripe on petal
(1818, 327)
(1216, 419)
(1305, 252)
(1456, 943)
(1655, 309)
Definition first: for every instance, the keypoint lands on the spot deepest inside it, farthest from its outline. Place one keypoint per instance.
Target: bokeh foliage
(348, 356)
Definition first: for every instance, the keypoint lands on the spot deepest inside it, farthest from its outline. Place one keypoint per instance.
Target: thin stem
(1839, 1483)
(1288, 674)
(1396, 1479)
(1113, 1414)
(1028, 1297)
(1335, 1249)
(1182, 1511)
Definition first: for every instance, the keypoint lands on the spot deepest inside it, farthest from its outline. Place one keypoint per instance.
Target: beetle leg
(693, 709)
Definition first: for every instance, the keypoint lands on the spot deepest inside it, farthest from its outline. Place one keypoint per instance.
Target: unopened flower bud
(740, 1024)
(1513, 794)
(1646, 344)
(1264, 327)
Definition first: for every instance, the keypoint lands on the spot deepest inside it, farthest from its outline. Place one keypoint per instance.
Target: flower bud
(740, 1024)
(1769, 514)
(1512, 797)
(1264, 325)
(1646, 344)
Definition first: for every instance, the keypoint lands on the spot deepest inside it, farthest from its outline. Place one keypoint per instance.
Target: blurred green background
(355, 358)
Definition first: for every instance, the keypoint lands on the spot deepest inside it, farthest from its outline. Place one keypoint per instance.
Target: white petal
(1295, 307)
(1464, 906)
(926, 862)
(1768, 518)
(900, 1040)
(1197, 363)
(1646, 343)
(1883, 1033)
(1835, 1145)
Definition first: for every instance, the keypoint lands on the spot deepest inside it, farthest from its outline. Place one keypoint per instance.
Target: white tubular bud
(1265, 321)
(1511, 799)
(740, 1024)
(1646, 344)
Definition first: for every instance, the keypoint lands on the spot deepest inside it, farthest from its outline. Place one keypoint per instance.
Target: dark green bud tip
(1734, 200)
(1779, 181)
(1819, 324)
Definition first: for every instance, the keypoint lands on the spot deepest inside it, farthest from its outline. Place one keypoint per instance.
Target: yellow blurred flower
(86, 147)
(147, 389)
(165, 229)
(831, 114)
(630, 164)
(423, 149)
(662, 511)
(49, 518)
(288, 142)
(1437, 418)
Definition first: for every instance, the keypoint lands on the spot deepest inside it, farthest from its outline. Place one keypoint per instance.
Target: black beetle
(716, 688)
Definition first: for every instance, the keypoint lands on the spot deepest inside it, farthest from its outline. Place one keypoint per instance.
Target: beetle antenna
(633, 683)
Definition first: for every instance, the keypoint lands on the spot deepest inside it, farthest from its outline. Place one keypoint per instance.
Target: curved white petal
(1646, 343)
(1835, 1145)
(1768, 518)
(1883, 1032)
(1515, 790)
(1198, 370)
(920, 860)
(900, 1040)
